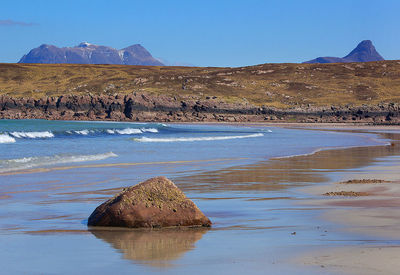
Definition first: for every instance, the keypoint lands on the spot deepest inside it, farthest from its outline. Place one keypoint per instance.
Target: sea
(246, 178)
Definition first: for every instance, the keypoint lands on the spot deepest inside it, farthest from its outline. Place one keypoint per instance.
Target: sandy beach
(268, 214)
(364, 202)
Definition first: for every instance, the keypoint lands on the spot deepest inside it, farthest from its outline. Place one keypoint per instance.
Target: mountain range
(364, 52)
(86, 53)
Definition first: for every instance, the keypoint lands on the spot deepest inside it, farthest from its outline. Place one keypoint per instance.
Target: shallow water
(54, 174)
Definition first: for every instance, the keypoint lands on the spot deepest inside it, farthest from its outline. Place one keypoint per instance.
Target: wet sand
(367, 207)
(356, 260)
(374, 216)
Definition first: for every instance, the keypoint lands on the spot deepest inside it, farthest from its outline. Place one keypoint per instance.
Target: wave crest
(45, 134)
(131, 131)
(6, 139)
(31, 162)
(181, 139)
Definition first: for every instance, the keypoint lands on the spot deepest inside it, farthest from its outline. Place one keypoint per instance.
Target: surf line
(61, 168)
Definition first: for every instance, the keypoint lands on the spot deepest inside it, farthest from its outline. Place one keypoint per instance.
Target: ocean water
(53, 174)
(38, 143)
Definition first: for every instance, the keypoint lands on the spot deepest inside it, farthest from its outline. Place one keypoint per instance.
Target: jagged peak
(364, 52)
(134, 46)
(367, 43)
(85, 45)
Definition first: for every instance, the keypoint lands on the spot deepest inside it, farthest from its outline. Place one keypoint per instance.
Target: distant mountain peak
(85, 45)
(364, 52)
(44, 46)
(87, 53)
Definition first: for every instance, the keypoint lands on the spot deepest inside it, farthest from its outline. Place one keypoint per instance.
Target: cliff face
(143, 107)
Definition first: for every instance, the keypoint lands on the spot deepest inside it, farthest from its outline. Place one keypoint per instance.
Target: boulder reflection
(153, 247)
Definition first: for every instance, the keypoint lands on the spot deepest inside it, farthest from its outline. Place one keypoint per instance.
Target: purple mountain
(364, 52)
(86, 53)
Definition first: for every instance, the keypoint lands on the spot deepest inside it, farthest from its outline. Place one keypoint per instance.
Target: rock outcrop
(162, 108)
(154, 203)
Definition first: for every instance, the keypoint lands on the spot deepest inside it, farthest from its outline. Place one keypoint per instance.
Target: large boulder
(156, 202)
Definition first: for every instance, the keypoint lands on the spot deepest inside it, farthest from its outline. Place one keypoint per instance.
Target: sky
(205, 33)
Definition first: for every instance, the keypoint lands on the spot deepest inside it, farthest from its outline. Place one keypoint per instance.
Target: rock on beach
(154, 203)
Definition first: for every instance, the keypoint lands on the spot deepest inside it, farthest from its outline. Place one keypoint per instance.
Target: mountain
(86, 53)
(364, 52)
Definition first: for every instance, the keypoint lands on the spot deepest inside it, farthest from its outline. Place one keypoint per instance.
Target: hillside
(302, 88)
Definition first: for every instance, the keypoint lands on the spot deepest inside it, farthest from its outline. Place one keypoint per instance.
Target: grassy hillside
(278, 85)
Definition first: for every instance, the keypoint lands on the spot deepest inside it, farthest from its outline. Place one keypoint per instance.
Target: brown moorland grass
(276, 85)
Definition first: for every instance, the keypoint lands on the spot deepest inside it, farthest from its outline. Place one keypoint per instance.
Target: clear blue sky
(205, 33)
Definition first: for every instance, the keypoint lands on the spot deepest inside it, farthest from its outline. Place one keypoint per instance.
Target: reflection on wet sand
(153, 247)
(105, 165)
(278, 174)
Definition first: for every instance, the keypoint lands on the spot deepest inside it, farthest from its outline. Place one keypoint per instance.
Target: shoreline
(300, 125)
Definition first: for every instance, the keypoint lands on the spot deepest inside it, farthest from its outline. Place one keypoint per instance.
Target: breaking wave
(6, 139)
(31, 162)
(131, 131)
(45, 134)
(127, 131)
(82, 132)
(181, 139)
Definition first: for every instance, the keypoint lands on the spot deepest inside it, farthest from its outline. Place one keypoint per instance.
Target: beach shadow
(157, 248)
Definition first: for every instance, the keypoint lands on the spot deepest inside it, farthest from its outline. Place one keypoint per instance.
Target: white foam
(6, 139)
(180, 139)
(45, 134)
(110, 131)
(82, 132)
(150, 130)
(31, 162)
(128, 131)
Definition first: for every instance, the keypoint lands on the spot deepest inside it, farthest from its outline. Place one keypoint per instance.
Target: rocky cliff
(144, 107)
